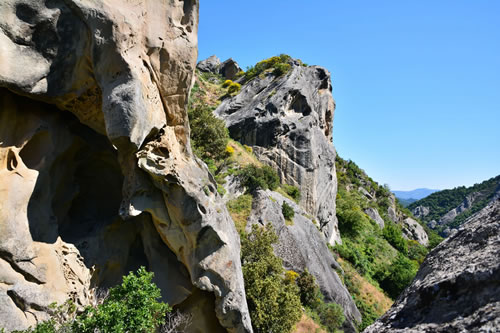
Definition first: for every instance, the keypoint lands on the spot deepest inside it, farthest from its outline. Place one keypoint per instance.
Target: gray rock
(391, 212)
(300, 246)
(375, 216)
(67, 185)
(365, 193)
(229, 68)
(413, 230)
(420, 212)
(288, 122)
(211, 64)
(457, 287)
(463, 207)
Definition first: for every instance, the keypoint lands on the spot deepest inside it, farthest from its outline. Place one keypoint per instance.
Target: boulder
(375, 216)
(229, 69)
(420, 212)
(288, 122)
(97, 175)
(300, 246)
(457, 287)
(367, 194)
(413, 230)
(211, 64)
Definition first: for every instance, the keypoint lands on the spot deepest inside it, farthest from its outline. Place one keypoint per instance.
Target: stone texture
(413, 230)
(300, 246)
(229, 68)
(288, 122)
(211, 64)
(420, 212)
(457, 287)
(375, 216)
(124, 69)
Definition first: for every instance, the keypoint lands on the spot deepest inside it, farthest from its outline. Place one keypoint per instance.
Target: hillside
(446, 210)
(416, 194)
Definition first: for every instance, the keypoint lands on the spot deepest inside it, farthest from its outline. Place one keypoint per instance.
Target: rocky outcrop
(300, 246)
(457, 288)
(211, 64)
(413, 230)
(89, 194)
(420, 212)
(375, 216)
(229, 69)
(288, 121)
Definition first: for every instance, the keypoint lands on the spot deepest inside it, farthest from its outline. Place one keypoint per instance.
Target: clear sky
(417, 83)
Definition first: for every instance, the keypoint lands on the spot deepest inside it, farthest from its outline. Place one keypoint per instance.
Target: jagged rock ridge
(457, 288)
(87, 196)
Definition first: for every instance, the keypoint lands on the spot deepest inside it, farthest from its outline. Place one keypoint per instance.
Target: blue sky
(417, 83)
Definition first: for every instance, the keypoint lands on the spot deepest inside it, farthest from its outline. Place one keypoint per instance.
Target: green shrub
(292, 191)
(287, 211)
(310, 294)
(209, 135)
(398, 276)
(253, 177)
(331, 316)
(279, 64)
(273, 302)
(227, 83)
(234, 88)
(393, 234)
(132, 306)
(240, 209)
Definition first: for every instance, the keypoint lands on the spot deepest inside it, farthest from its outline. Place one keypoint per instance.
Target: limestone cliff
(97, 176)
(457, 288)
(288, 121)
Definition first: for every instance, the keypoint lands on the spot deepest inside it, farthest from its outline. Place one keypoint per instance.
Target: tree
(273, 301)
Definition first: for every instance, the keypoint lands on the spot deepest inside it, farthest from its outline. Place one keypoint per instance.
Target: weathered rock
(124, 70)
(211, 64)
(229, 68)
(420, 212)
(463, 207)
(375, 216)
(365, 193)
(300, 246)
(288, 122)
(413, 230)
(457, 288)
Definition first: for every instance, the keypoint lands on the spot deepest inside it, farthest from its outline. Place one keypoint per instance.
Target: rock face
(211, 64)
(302, 246)
(457, 288)
(413, 230)
(229, 69)
(288, 122)
(375, 216)
(89, 194)
(420, 212)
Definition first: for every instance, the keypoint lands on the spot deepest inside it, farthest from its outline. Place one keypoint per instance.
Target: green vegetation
(279, 65)
(440, 203)
(393, 234)
(273, 301)
(398, 276)
(254, 177)
(288, 212)
(240, 209)
(209, 135)
(291, 191)
(132, 306)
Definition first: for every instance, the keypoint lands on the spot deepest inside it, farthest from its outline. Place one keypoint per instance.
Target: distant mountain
(446, 210)
(406, 202)
(417, 194)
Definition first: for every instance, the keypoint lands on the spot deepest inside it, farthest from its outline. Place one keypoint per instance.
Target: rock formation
(301, 246)
(228, 69)
(288, 122)
(96, 172)
(457, 288)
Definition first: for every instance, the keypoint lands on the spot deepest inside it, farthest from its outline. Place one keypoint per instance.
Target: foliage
(287, 210)
(310, 294)
(209, 135)
(272, 301)
(331, 316)
(132, 306)
(416, 251)
(398, 276)
(229, 150)
(393, 234)
(280, 65)
(351, 218)
(234, 88)
(240, 209)
(292, 191)
(227, 83)
(254, 177)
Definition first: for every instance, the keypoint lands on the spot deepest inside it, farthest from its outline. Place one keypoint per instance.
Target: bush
(132, 306)
(309, 292)
(253, 178)
(288, 212)
(393, 234)
(292, 191)
(209, 135)
(331, 316)
(227, 83)
(234, 88)
(280, 65)
(272, 300)
(400, 274)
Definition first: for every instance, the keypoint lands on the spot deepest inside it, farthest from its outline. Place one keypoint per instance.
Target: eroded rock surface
(87, 199)
(300, 246)
(457, 288)
(288, 122)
